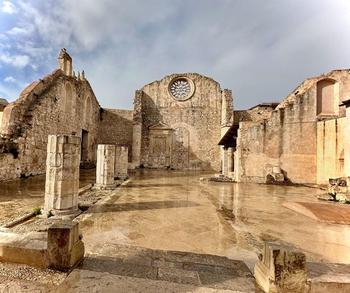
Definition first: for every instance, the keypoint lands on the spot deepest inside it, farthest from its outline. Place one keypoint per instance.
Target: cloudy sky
(261, 49)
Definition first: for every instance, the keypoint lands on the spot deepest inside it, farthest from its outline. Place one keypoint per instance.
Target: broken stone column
(121, 162)
(64, 246)
(281, 269)
(62, 174)
(105, 166)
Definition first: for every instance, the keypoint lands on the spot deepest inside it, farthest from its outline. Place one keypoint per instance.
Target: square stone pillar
(121, 162)
(105, 166)
(281, 269)
(62, 174)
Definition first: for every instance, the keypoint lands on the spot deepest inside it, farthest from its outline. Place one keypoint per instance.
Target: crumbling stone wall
(287, 139)
(116, 127)
(195, 123)
(56, 104)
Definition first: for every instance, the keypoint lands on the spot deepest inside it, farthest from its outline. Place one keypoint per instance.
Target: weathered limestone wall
(330, 149)
(56, 104)
(289, 138)
(116, 127)
(196, 123)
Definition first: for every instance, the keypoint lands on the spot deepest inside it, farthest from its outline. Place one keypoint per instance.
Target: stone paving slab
(333, 213)
(90, 281)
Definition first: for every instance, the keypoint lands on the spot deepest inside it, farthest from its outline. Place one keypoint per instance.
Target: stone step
(200, 270)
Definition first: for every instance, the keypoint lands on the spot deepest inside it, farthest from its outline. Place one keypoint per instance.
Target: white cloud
(10, 79)
(19, 31)
(19, 61)
(8, 7)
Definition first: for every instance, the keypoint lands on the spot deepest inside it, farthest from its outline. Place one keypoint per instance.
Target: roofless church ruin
(193, 161)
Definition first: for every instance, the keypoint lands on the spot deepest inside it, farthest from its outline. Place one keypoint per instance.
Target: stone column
(105, 166)
(229, 162)
(121, 162)
(62, 174)
(224, 162)
(347, 142)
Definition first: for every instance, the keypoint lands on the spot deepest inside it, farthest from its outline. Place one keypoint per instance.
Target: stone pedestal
(62, 174)
(105, 166)
(121, 162)
(64, 246)
(281, 269)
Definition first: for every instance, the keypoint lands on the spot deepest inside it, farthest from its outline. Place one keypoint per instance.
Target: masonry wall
(116, 127)
(330, 149)
(56, 104)
(198, 120)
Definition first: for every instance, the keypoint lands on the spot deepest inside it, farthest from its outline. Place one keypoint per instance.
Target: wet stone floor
(171, 210)
(159, 232)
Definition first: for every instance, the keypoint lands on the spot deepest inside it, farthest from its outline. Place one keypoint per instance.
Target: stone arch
(327, 91)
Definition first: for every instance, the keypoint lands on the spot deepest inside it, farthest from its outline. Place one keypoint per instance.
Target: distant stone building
(305, 137)
(176, 122)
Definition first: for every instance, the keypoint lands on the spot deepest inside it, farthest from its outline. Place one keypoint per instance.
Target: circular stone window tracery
(181, 88)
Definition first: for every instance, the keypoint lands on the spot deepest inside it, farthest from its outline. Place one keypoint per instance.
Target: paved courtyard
(176, 211)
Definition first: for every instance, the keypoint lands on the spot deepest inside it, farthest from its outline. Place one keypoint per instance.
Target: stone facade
(56, 104)
(293, 137)
(178, 122)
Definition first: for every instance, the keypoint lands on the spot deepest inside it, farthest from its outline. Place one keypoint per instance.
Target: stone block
(281, 269)
(65, 249)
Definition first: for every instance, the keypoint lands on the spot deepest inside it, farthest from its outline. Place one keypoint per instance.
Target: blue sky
(260, 49)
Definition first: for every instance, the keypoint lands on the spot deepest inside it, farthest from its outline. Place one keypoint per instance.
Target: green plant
(37, 211)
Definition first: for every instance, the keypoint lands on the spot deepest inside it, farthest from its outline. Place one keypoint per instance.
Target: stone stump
(64, 246)
(281, 269)
(62, 174)
(105, 166)
(121, 162)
